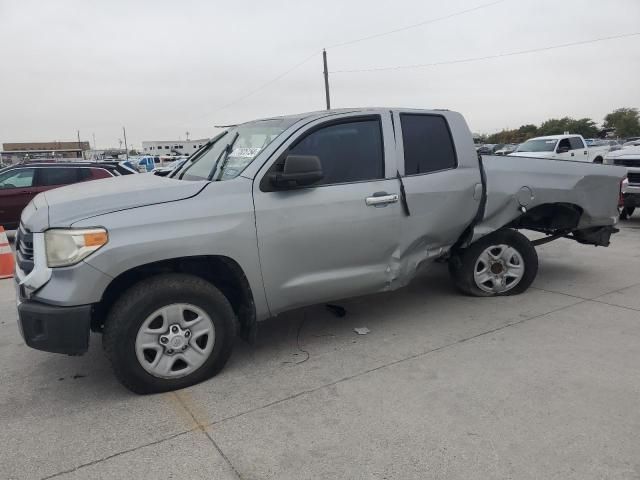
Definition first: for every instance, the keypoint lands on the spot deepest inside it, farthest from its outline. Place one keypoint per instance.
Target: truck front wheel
(502, 263)
(168, 332)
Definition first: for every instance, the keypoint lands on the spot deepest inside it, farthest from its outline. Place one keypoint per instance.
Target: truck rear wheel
(169, 332)
(502, 263)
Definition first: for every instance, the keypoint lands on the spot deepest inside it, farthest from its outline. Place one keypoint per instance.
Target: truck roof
(327, 113)
(556, 137)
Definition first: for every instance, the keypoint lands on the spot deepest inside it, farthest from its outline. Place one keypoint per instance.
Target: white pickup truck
(561, 147)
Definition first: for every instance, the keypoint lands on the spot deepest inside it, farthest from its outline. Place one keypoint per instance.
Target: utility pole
(326, 78)
(126, 149)
(95, 148)
(79, 144)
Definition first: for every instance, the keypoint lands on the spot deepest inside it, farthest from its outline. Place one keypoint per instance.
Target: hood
(630, 152)
(532, 154)
(88, 199)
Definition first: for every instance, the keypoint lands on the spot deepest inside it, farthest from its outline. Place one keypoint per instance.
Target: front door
(563, 150)
(333, 239)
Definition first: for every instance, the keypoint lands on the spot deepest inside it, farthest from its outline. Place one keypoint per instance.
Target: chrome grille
(24, 249)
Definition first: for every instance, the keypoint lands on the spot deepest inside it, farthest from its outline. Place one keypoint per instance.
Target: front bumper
(52, 328)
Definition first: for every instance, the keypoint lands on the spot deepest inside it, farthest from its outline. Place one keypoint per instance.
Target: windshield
(243, 142)
(537, 146)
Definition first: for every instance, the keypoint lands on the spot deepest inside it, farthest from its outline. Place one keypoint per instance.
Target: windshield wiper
(198, 154)
(223, 156)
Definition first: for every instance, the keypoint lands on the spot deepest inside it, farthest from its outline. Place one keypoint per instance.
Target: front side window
(19, 178)
(428, 146)
(57, 176)
(348, 152)
(564, 143)
(227, 156)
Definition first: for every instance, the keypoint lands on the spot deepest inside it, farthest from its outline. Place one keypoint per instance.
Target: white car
(561, 147)
(506, 149)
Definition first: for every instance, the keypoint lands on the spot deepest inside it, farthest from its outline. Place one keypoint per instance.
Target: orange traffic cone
(6, 256)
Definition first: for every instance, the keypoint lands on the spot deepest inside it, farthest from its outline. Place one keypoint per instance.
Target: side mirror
(298, 171)
(562, 149)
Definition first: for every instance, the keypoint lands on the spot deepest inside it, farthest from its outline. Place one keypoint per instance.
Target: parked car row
(150, 163)
(20, 183)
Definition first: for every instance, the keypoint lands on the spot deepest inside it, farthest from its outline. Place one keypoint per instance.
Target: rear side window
(84, 174)
(57, 176)
(428, 146)
(99, 173)
(576, 143)
(348, 152)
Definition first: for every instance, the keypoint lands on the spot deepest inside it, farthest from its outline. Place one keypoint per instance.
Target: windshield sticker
(245, 152)
(550, 141)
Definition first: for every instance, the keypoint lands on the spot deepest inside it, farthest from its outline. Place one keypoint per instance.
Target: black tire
(598, 160)
(141, 300)
(626, 212)
(463, 262)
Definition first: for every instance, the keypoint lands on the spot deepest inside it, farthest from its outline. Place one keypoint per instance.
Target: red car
(20, 183)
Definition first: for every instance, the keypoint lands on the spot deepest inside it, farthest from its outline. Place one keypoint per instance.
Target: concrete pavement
(541, 385)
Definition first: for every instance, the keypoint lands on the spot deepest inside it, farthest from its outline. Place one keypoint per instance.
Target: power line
(349, 42)
(487, 57)
(414, 25)
(269, 82)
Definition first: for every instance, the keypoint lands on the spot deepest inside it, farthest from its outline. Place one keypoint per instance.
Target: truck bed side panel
(593, 188)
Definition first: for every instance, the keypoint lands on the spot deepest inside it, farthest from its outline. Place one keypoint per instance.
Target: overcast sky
(165, 67)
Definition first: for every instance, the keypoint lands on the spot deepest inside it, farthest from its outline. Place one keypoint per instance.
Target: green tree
(525, 132)
(625, 122)
(519, 135)
(557, 126)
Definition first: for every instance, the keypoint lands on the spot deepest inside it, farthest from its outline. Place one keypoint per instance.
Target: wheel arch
(549, 218)
(221, 271)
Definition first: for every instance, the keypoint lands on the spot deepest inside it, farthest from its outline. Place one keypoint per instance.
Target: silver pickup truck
(280, 213)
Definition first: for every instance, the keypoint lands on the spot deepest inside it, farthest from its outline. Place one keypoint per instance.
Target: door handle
(573, 154)
(381, 199)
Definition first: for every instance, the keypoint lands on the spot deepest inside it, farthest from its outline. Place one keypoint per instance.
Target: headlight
(66, 247)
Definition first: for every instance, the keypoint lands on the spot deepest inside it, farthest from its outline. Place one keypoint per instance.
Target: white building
(175, 147)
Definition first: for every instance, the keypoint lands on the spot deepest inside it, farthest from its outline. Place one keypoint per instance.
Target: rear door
(16, 191)
(329, 240)
(578, 150)
(442, 181)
